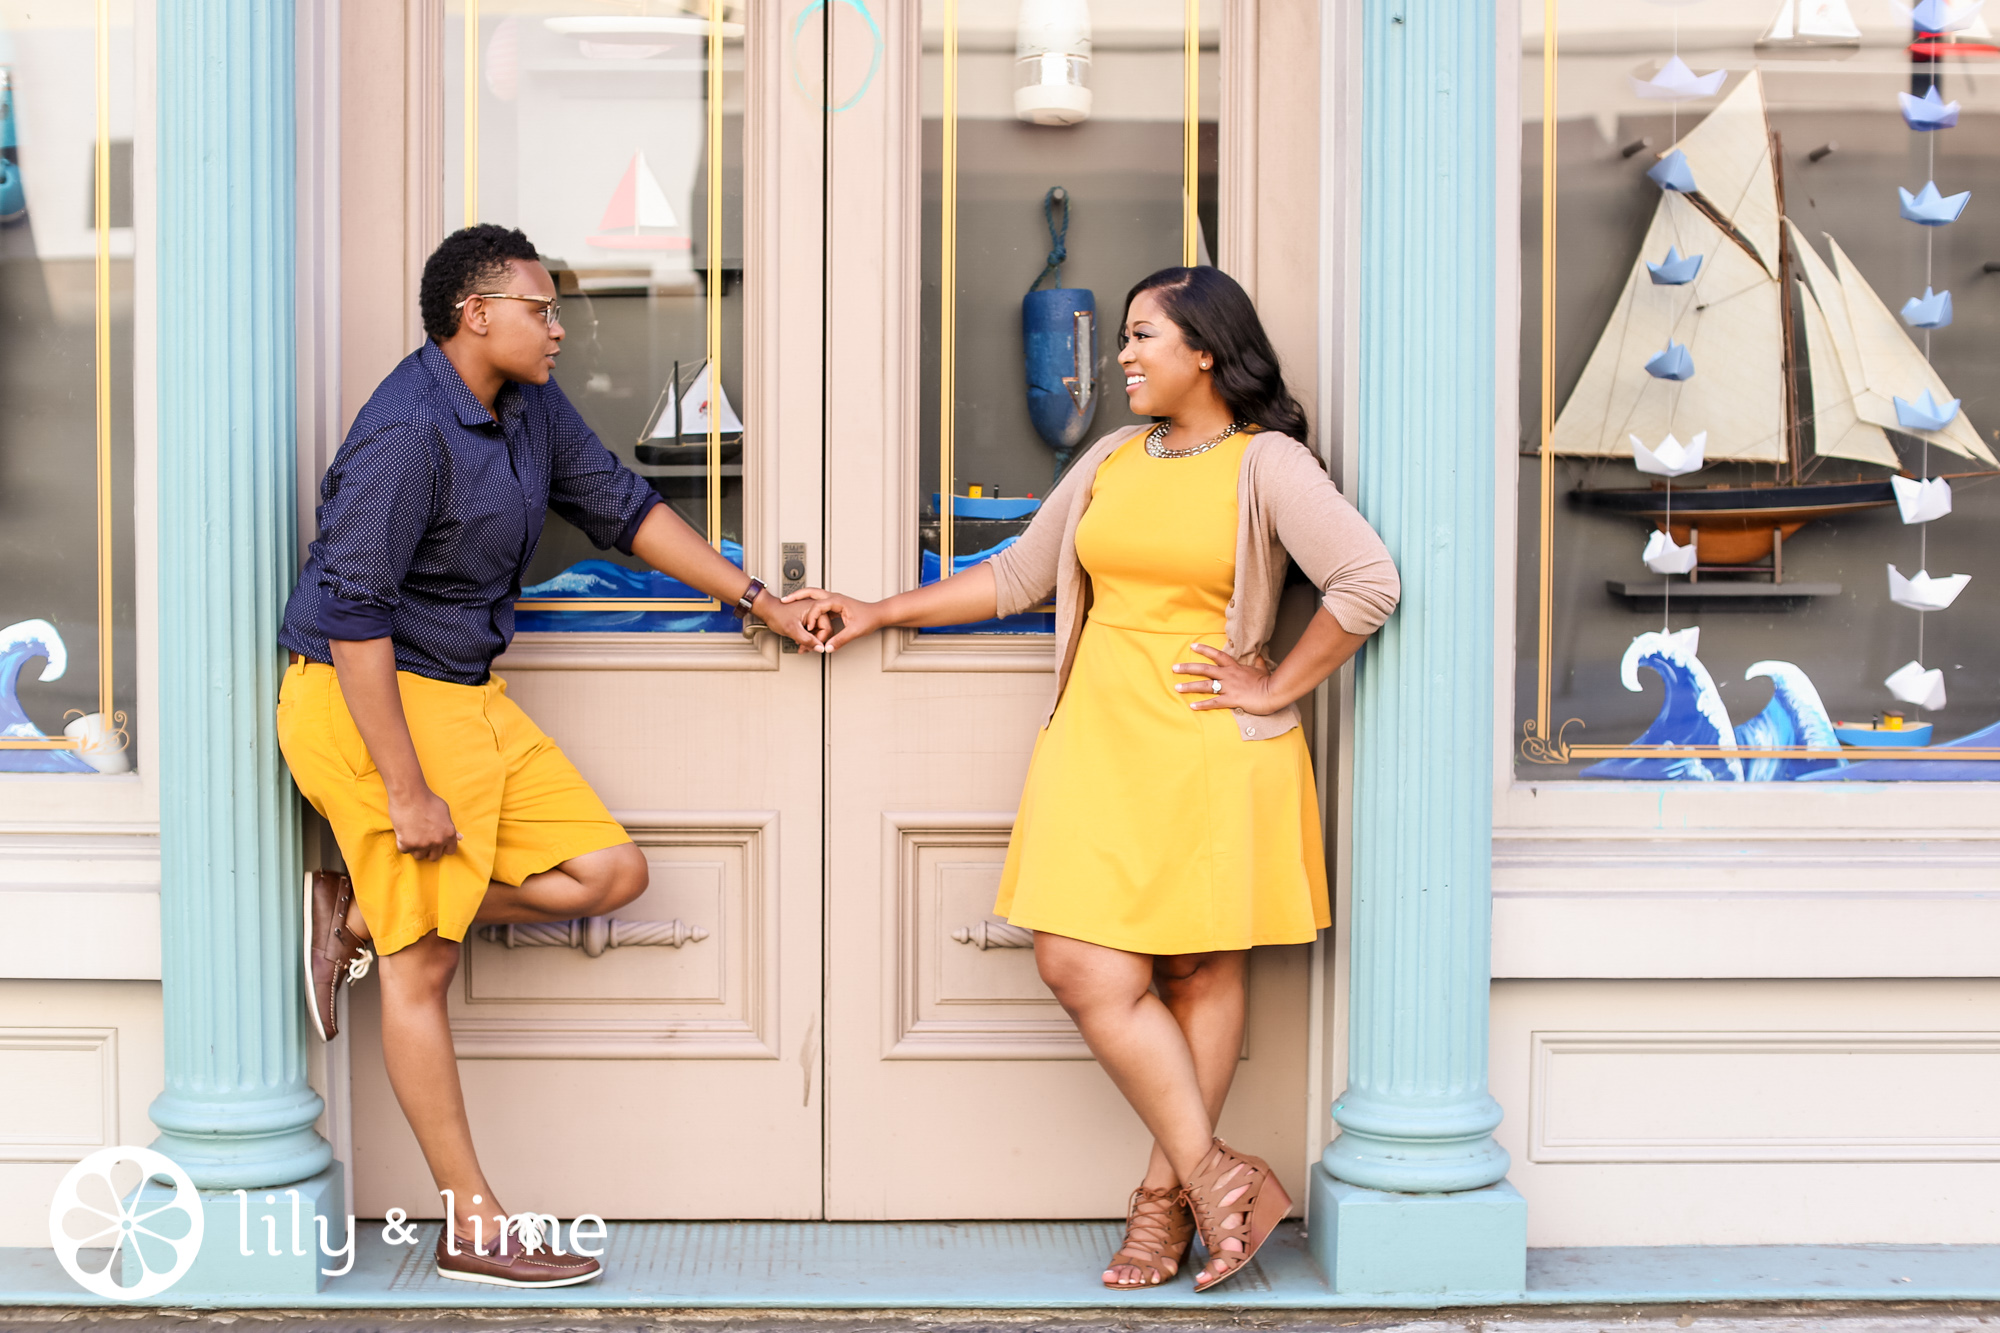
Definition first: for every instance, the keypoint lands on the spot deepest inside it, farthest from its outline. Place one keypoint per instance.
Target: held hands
(423, 825)
(791, 621)
(1245, 685)
(822, 608)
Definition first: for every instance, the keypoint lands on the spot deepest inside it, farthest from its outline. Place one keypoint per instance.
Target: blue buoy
(1059, 346)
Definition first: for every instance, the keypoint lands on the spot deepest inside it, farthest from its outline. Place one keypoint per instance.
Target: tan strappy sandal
(1233, 1196)
(1158, 1230)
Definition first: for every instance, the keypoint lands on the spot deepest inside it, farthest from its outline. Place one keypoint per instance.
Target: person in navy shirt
(450, 806)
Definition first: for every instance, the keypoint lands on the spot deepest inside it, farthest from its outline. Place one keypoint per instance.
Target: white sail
(1891, 366)
(652, 209)
(1837, 431)
(1730, 320)
(1729, 155)
(1812, 23)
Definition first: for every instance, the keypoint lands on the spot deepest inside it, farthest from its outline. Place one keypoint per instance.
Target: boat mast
(1794, 449)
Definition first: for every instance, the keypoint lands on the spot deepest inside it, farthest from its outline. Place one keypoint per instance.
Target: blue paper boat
(1927, 413)
(1929, 112)
(988, 506)
(1674, 271)
(1929, 208)
(1928, 311)
(1671, 172)
(1674, 364)
(1871, 736)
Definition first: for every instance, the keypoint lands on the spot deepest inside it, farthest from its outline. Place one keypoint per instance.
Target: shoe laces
(529, 1230)
(357, 966)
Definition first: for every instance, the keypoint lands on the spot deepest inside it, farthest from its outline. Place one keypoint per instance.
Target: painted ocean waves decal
(1693, 716)
(21, 644)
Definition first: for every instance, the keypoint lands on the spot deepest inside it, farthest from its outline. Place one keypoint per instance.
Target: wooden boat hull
(1737, 523)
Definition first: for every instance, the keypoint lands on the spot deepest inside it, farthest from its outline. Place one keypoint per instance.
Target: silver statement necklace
(1157, 450)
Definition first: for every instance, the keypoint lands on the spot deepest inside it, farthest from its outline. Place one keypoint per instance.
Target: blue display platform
(1054, 1266)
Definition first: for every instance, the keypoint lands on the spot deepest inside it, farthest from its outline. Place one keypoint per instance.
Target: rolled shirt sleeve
(588, 486)
(378, 506)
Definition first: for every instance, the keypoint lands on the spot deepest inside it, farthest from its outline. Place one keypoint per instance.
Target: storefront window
(67, 643)
(615, 141)
(1069, 150)
(1760, 410)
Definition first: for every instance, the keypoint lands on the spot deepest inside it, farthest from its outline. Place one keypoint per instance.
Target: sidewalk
(1053, 1266)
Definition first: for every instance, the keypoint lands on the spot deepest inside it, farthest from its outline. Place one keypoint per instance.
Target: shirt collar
(469, 410)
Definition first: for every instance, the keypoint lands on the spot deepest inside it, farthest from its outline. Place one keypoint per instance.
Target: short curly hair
(467, 261)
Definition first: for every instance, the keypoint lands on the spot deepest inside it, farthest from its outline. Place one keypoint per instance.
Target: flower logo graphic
(99, 1209)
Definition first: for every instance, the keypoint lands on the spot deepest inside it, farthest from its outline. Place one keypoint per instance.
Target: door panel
(957, 1087)
(664, 1063)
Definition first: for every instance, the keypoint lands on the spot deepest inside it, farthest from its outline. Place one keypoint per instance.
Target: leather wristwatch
(749, 597)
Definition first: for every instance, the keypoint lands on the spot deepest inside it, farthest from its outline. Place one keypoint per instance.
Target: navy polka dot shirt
(432, 510)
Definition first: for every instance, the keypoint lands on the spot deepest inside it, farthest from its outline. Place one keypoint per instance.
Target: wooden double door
(811, 1013)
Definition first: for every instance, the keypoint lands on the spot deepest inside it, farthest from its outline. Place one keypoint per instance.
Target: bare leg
(416, 1025)
(1205, 994)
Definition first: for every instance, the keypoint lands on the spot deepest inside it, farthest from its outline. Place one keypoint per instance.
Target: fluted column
(1416, 1119)
(236, 1111)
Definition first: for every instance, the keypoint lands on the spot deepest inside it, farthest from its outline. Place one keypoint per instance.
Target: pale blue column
(1411, 1197)
(236, 1111)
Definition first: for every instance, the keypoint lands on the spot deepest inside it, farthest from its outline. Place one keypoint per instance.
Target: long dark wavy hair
(1215, 316)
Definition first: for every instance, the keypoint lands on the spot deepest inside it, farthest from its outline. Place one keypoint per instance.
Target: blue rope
(1058, 235)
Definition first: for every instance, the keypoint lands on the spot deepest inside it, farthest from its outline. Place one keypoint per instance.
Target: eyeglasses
(551, 308)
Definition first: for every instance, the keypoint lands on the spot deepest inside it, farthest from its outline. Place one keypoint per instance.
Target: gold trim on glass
(1542, 740)
(101, 221)
(712, 330)
(948, 239)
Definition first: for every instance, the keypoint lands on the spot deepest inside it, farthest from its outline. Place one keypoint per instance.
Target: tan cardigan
(1285, 503)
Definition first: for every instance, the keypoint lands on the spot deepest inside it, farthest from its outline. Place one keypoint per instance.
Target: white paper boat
(1921, 501)
(1671, 458)
(1663, 557)
(1677, 83)
(1921, 592)
(1914, 685)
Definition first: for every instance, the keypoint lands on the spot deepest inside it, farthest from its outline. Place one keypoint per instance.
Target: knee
(1193, 976)
(423, 969)
(626, 876)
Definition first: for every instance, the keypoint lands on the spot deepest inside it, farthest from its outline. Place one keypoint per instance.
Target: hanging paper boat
(1671, 172)
(638, 216)
(1672, 458)
(1937, 16)
(1928, 208)
(1672, 364)
(1914, 685)
(1674, 270)
(1928, 311)
(1677, 83)
(1662, 556)
(1921, 592)
(1927, 413)
(1059, 346)
(1810, 25)
(1921, 501)
(1929, 112)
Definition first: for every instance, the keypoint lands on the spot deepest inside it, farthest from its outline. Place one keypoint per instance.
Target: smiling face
(1163, 375)
(513, 337)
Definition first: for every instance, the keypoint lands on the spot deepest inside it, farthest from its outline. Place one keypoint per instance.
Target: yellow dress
(1146, 825)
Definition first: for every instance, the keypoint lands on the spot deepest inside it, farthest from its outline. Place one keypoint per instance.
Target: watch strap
(749, 597)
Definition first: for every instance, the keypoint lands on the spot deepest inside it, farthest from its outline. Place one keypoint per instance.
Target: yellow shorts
(519, 804)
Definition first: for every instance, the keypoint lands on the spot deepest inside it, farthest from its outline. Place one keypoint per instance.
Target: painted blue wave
(20, 644)
(1925, 770)
(601, 578)
(1692, 714)
(1030, 622)
(1794, 718)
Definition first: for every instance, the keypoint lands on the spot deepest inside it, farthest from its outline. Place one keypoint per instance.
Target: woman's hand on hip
(1243, 684)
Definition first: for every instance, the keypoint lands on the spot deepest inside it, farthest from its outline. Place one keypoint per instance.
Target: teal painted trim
(1053, 1266)
(236, 1110)
(1416, 1116)
(263, 1245)
(1446, 1244)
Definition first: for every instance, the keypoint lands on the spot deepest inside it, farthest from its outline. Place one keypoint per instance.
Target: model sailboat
(638, 216)
(1734, 318)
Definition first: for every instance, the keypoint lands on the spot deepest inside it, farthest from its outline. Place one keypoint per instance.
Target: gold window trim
(1543, 740)
(713, 331)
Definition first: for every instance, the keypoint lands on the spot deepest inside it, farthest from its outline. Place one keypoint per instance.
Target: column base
(1472, 1244)
(273, 1225)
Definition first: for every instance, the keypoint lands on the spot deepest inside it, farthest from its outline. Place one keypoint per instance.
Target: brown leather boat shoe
(518, 1257)
(334, 956)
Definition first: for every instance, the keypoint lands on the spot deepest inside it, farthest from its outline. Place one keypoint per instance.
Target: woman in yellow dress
(1169, 822)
